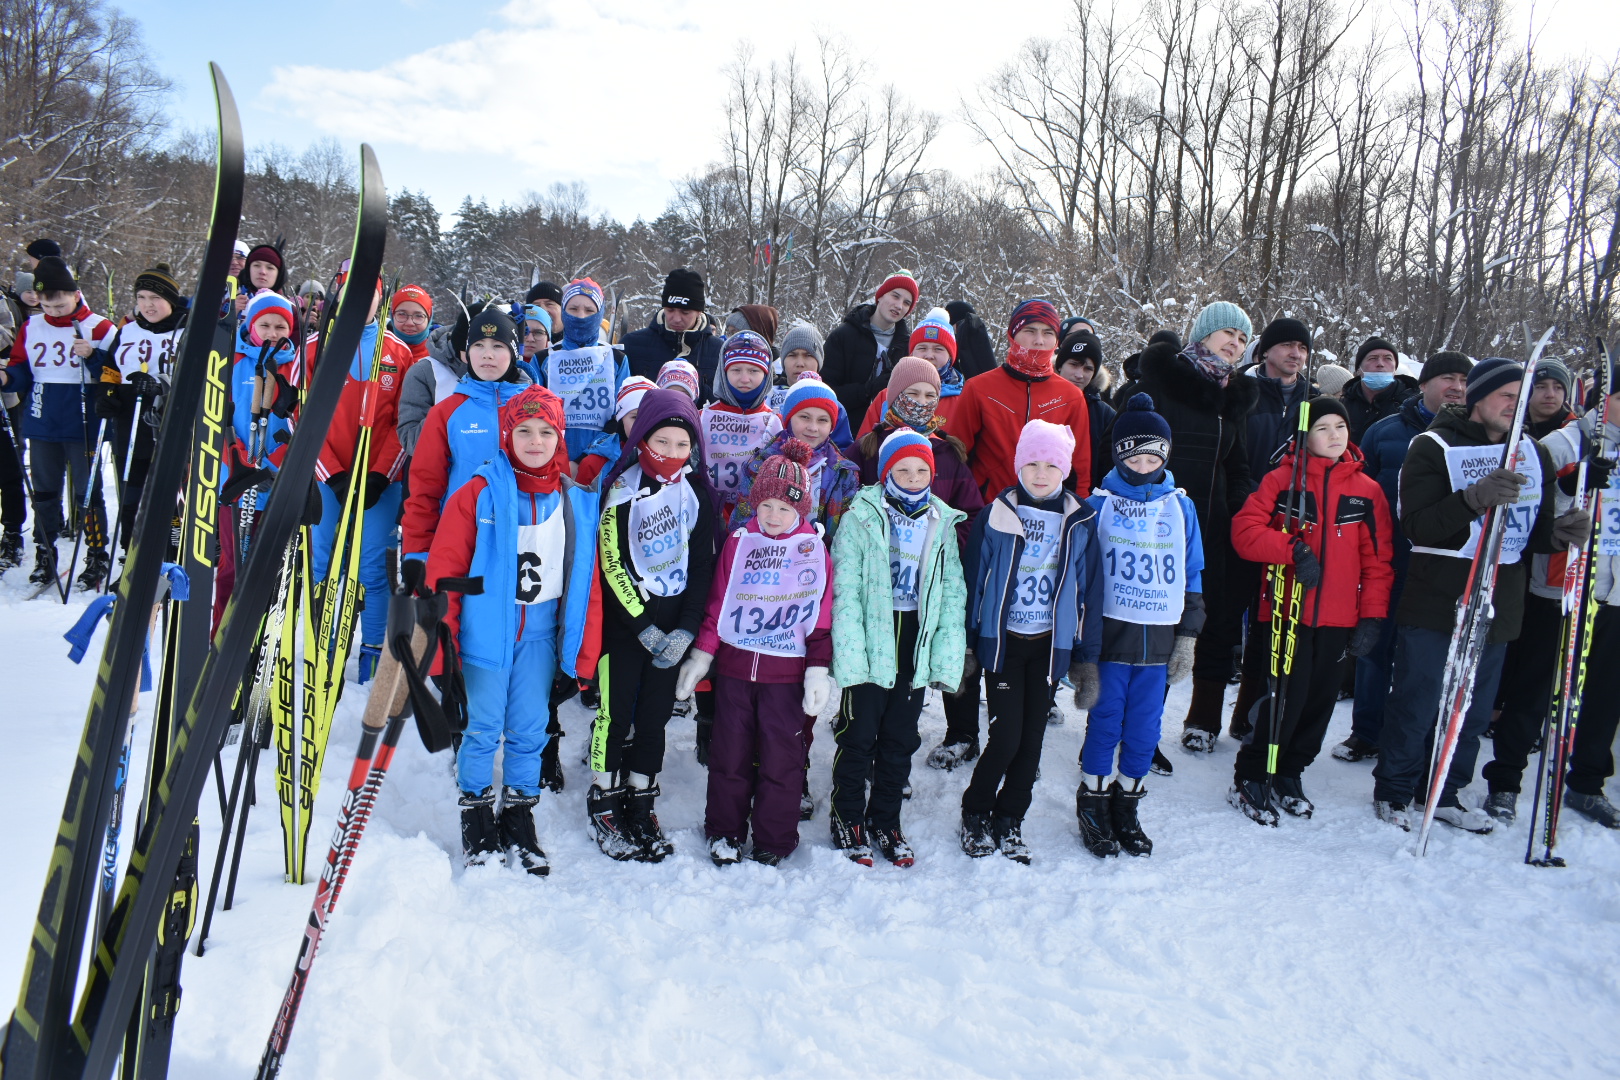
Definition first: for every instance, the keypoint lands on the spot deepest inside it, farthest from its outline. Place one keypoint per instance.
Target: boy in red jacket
(1340, 520)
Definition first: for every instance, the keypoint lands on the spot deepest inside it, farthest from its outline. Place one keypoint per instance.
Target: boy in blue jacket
(1152, 560)
(1034, 614)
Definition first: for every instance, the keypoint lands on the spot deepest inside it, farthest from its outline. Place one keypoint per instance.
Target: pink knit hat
(1041, 441)
(910, 371)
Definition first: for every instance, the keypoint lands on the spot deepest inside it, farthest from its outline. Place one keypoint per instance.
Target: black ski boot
(604, 808)
(11, 549)
(517, 833)
(96, 564)
(851, 840)
(1123, 803)
(641, 825)
(1009, 837)
(1253, 797)
(765, 858)
(977, 841)
(1290, 796)
(44, 565)
(551, 771)
(1161, 765)
(1091, 806)
(949, 756)
(807, 801)
(480, 836)
(724, 851)
(891, 843)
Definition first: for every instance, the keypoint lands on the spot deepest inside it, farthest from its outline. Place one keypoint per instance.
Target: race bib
(50, 351)
(908, 539)
(142, 350)
(730, 439)
(1143, 549)
(540, 559)
(774, 593)
(1608, 511)
(1035, 586)
(1468, 464)
(659, 526)
(584, 379)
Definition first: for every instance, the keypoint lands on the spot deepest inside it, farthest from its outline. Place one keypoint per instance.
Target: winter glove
(1364, 638)
(676, 643)
(1086, 686)
(312, 505)
(817, 690)
(1181, 660)
(1307, 571)
(1598, 471)
(146, 385)
(652, 639)
(1496, 488)
(241, 481)
(286, 399)
(692, 673)
(1572, 529)
(153, 413)
(339, 483)
(107, 401)
(970, 671)
(376, 484)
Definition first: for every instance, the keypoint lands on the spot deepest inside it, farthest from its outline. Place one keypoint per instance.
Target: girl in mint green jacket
(899, 627)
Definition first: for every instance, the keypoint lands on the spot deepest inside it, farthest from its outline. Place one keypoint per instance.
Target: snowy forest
(1438, 181)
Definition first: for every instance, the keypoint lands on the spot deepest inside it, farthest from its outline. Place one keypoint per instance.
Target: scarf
(909, 504)
(411, 339)
(903, 412)
(666, 470)
(162, 326)
(951, 381)
(1030, 363)
(1207, 364)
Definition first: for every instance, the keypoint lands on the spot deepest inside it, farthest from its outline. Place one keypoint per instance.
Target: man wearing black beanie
(42, 249)
(1378, 389)
(679, 330)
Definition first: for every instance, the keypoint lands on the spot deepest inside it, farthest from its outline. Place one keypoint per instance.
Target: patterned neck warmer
(1031, 363)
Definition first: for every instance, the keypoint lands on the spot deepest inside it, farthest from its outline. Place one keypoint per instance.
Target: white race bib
(1035, 585)
(50, 349)
(908, 540)
(1466, 465)
(659, 526)
(1144, 552)
(142, 350)
(584, 379)
(730, 439)
(1608, 511)
(774, 593)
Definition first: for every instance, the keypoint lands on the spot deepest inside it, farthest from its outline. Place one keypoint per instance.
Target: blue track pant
(514, 704)
(1130, 706)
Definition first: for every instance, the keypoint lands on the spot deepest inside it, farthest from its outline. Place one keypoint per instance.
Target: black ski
(37, 1039)
(114, 977)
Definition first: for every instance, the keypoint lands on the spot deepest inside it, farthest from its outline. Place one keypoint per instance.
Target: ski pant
(380, 531)
(1313, 689)
(1410, 717)
(1127, 716)
(13, 493)
(1373, 674)
(137, 457)
(50, 462)
(756, 763)
(513, 704)
(962, 714)
(635, 700)
(1019, 696)
(1230, 586)
(1517, 729)
(876, 732)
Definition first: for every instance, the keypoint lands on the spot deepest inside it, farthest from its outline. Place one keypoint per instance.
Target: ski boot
(604, 806)
(891, 844)
(517, 833)
(1290, 796)
(765, 858)
(1125, 799)
(977, 842)
(1593, 807)
(480, 835)
(807, 801)
(948, 756)
(1091, 807)
(44, 566)
(1253, 797)
(1502, 805)
(724, 851)
(370, 657)
(641, 824)
(96, 565)
(1355, 748)
(11, 549)
(1454, 813)
(1161, 765)
(705, 730)
(551, 771)
(851, 840)
(1198, 741)
(1009, 837)
(1394, 813)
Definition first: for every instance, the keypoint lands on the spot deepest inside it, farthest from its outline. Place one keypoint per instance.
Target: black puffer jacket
(1364, 414)
(975, 354)
(851, 366)
(1265, 432)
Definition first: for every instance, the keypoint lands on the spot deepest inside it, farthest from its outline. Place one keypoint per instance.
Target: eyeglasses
(407, 317)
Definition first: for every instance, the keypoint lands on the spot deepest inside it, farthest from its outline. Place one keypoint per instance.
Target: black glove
(1307, 571)
(241, 481)
(1597, 476)
(376, 484)
(1364, 638)
(312, 505)
(339, 483)
(286, 397)
(146, 385)
(107, 401)
(1499, 487)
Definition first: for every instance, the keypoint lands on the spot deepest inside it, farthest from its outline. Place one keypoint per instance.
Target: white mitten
(817, 689)
(692, 672)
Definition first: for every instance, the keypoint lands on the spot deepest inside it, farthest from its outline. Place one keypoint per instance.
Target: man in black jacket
(863, 348)
(1448, 482)
(1378, 389)
(975, 354)
(679, 331)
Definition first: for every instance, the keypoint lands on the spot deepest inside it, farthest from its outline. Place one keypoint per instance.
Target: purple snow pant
(756, 763)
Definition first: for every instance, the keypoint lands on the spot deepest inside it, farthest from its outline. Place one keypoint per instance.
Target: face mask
(1377, 380)
(580, 331)
(747, 399)
(1035, 363)
(909, 503)
(666, 470)
(914, 413)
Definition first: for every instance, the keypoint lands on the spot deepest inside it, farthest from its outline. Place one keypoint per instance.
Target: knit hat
(785, 477)
(53, 275)
(1166, 337)
(536, 313)
(900, 279)
(1041, 441)
(1140, 430)
(664, 408)
(1551, 368)
(903, 443)
(268, 300)
(1280, 332)
(1073, 323)
(411, 294)
(631, 391)
(1373, 344)
(543, 290)
(312, 288)
(160, 280)
(1326, 406)
(1080, 344)
(804, 336)
(1221, 315)
(909, 371)
(43, 249)
(240, 248)
(265, 253)
(807, 393)
(679, 375)
(1330, 379)
(496, 325)
(1490, 375)
(1032, 311)
(935, 326)
(683, 288)
(534, 400)
(746, 347)
(583, 287)
(1444, 363)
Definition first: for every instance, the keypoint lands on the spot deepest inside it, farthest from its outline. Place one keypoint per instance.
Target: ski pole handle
(390, 691)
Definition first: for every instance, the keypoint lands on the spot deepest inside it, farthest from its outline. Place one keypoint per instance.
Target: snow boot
(1250, 691)
(1398, 814)
(892, 845)
(724, 851)
(1454, 813)
(851, 840)
(1355, 748)
(370, 657)
(1253, 797)
(1091, 806)
(948, 756)
(705, 731)
(1161, 765)
(977, 841)
(44, 565)
(480, 836)
(11, 549)
(1009, 836)
(807, 801)
(551, 770)
(641, 824)
(1054, 716)
(1502, 805)
(605, 810)
(765, 858)
(1198, 741)
(1203, 716)
(1124, 799)
(1289, 794)
(1593, 807)
(517, 833)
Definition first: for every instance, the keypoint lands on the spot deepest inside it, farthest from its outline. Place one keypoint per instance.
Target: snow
(1323, 948)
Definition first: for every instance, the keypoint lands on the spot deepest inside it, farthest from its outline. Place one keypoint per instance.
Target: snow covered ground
(1319, 949)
